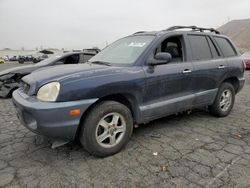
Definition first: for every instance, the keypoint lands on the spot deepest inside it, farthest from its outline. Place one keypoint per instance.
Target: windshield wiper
(100, 63)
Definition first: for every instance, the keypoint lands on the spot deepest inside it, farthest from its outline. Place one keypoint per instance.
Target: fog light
(33, 125)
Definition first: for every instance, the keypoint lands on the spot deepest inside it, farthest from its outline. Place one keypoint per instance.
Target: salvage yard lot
(195, 150)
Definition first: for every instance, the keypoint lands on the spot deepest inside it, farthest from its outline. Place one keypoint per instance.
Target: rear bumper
(50, 119)
(241, 83)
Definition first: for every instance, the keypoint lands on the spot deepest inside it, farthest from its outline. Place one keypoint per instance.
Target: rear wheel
(106, 129)
(224, 101)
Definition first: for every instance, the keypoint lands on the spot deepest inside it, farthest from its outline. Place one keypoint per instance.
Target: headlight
(49, 92)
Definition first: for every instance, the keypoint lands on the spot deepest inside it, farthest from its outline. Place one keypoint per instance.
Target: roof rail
(193, 28)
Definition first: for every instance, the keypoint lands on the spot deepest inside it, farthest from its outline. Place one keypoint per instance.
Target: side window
(72, 59)
(199, 47)
(213, 48)
(172, 45)
(81, 60)
(87, 57)
(225, 46)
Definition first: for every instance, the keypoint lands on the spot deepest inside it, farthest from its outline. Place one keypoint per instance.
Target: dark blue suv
(135, 80)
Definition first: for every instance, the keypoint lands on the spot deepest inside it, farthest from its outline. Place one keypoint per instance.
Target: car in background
(21, 59)
(6, 58)
(246, 58)
(94, 50)
(40, 58)
(1, 60)
(27, 58)
(10, 78)
(14, 58)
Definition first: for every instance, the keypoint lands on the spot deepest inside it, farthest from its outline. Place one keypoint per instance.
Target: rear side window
(199, 47)
(225, 46)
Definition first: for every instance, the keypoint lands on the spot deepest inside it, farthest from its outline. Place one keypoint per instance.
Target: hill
(239, 32)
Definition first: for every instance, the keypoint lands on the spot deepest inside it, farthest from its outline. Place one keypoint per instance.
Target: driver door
(168, 86)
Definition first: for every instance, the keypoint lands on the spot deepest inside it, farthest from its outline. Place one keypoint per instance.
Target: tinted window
(214, 50)
(200, 48)
(72, 59)
(225, 47)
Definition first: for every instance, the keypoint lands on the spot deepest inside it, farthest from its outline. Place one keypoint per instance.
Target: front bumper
(50, 119)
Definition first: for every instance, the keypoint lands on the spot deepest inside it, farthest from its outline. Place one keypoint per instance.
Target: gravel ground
(195, 150)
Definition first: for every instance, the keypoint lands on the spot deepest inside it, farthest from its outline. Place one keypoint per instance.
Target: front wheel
(224, 101)
(106, 129)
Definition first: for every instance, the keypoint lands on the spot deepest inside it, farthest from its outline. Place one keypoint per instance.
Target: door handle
(186, 71)
(221, 67)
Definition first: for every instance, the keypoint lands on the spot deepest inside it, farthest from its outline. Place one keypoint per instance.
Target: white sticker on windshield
(137, 44)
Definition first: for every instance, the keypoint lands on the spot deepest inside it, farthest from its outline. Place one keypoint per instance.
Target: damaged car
(10, 78)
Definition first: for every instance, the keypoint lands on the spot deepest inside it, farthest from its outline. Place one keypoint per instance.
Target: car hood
(22, 70)
(68, 72)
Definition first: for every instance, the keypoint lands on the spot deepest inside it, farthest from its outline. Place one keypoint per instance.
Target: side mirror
(161, 58)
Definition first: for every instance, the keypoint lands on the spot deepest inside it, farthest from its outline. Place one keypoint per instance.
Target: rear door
(209, 65)
(230, 55)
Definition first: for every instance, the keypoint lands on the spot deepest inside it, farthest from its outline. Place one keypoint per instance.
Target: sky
(78, 24)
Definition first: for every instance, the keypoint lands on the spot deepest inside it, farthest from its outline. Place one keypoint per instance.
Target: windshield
(48, 60)
(123, 51)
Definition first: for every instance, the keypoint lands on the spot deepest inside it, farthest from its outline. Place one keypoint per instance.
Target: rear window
(200, 48)
(225, 46)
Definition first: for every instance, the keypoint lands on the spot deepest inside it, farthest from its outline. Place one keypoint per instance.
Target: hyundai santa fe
(135, 80)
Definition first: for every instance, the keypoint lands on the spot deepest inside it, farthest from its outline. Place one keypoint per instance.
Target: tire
(103, 142)
(217, 108)
(21, 61)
